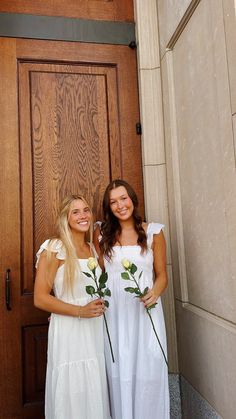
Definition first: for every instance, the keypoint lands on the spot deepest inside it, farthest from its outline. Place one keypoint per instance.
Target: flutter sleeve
(51, 245)
(153, 228)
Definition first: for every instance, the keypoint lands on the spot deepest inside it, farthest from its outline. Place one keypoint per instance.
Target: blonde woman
(76, 385)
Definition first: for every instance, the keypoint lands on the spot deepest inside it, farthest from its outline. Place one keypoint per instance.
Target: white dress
(76, 384)
(138, 380)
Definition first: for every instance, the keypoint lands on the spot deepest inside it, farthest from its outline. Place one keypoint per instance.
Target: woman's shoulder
(53, 245)
(152, 229)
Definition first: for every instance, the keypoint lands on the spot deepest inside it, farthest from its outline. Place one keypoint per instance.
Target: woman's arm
(43, 299)
(159, 264)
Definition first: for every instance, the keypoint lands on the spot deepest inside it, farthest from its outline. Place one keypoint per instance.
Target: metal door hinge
(133, 45)
(138, 128)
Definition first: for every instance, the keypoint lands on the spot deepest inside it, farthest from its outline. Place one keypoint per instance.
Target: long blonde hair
(71, 266)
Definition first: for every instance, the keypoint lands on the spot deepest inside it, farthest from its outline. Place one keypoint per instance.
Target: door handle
(8, 289)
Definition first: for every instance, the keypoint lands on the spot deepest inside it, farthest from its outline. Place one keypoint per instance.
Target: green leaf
(136, 290)
(87, 274)
(107, 292)
(133, 268)
(130, 289)
(90, 290)
(125, 275)
(140, 274)
(102, 286)
(106, 303)
(145, 291)
(103, 278)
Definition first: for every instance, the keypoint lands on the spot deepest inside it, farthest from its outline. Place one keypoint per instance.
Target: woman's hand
(160, 283)
(95, 308)
(150, 298)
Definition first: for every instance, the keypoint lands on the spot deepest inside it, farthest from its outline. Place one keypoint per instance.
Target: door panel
(34, 348)
(68, 113)
(65, 144)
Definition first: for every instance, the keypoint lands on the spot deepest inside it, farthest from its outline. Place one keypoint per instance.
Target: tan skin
(122, 207)
(79, 220)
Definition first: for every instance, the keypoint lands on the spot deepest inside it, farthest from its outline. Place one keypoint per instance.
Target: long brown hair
(110, 228)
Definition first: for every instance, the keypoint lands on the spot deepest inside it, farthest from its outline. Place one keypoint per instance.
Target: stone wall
(198, 61)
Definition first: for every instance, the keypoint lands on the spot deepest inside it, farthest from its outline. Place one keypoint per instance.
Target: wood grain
(114, 10)
(124, 61)
(66, 149)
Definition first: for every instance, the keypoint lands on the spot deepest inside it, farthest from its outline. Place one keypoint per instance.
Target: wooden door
(68, 113)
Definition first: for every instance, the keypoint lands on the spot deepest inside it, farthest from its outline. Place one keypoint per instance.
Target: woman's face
(79, 216)
(121, 204)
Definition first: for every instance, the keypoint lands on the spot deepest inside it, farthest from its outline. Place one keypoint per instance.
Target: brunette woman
(138, 380)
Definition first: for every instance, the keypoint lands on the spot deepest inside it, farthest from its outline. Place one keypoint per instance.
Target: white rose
(126, 263)
(92, 263)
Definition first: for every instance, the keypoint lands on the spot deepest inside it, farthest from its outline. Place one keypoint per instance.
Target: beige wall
(198, 62)
(153, 147)
(187, 62)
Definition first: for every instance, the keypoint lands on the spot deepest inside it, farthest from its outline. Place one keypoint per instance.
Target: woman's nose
(119, 204)
(82, 216)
